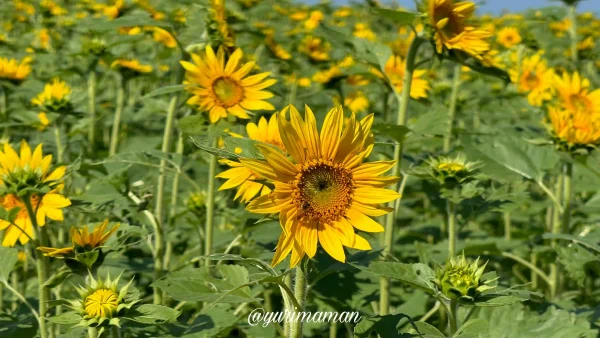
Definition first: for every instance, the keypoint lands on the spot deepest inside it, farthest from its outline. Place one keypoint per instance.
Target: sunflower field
(268, 168)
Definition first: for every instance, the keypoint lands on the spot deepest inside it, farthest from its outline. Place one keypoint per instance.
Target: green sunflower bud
(460, 280)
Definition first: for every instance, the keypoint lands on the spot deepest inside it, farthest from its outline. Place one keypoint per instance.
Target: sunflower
(315, 48)
(131, 66)
(221, 88)
(363, 31)
(163, 36)
(325, 190)
(244, 178)
(55, 96)
(574, 93)
(509, 37)
(535, 79)
(14, 70)
(448, 20)
(356, 101)
(28, 171)
(395, 68)
(83, 241)
(574, 128)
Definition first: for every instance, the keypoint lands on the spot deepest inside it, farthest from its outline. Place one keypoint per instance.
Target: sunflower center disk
(531, 80)
(323, 192)
(227, 91)
(580, 102)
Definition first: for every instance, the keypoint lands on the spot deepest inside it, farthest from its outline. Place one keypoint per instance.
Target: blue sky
(496, 6)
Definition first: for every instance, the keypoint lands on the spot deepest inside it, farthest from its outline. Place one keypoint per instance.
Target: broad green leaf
(201, 285)
(417, 275)
(401, 18)
(8, 259)
(395, 132)
(493, 301)
(193, 125)
(428, 330)
(385, 326)
(579, 263)
(67, 318)
(580, 240)
(209, 324)
(432, 123)
(152, 314)
(17, 326)
(472, 329)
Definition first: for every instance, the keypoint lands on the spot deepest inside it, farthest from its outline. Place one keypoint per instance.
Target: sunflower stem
(92, 332)
(403, 100)
(556, 227)
(159, 243)
(4, 110)
(567, 196)
(22, 298)
(573, 32)
(452, 231)
(287, 283)
(452, 316)
(91, 89)
(507, 225)
(452, 107)
(173, 208)
(115, 332)
(114, 138)
(300, 295)
(210, 204)
(41, 266)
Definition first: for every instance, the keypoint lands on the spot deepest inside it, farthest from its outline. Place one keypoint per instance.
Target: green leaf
(580, 240)
(472, 329)
(57, 278)
(579, 263)
(166, 90)
(395, 132)
(417, 275)
(432, 123)
(67, 318)
(201, 285)
(21, 326)
(401, 18)
(385, 326)
(152, 314)
(428, 330)
(8, 259)
(193, 125)
(497, 301)
(102, 25)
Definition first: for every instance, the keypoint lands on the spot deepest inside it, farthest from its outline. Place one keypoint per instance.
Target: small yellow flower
(560, 28)
(326, 75)
(363, 31)
(55, 95)
(223, 88)
(575, 93)
(314, 20)
(14, 70)
(535, 79)
(163, 36)
(132, 65)
(575, 128)
(342, 12)
(242, 177)
(29, 170)
(315, 48)
(509, 37)
(394, 70)
(277, 49)
(356, 102)
(448, 19)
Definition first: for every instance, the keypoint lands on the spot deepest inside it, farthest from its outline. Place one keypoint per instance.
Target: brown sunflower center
(323, 192)
(531, 80)
(227, 91)
(579, 102)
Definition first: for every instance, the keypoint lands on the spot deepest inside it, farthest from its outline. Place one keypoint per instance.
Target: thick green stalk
(91, 88)
(452, 231)
(287, 280)
(452, 108)
(556, 227)
(41, 267)
(403, 100)
(300, 294)
(159, 242)
(114, 138)
(452, 317)
(174, 203)
(573, 32)
(115, 332)
(92, 332)
(507, 225)
(210, 204)
(4, 110)
(567, 196)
